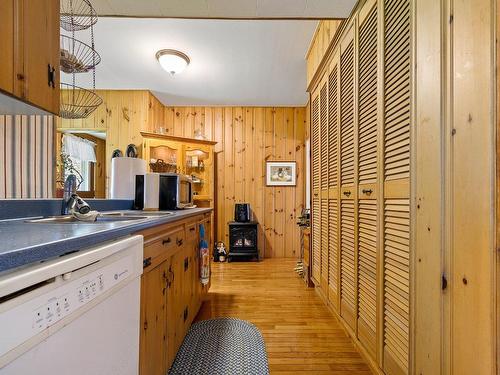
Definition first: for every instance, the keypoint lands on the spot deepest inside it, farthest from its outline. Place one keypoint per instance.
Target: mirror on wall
(81, 153)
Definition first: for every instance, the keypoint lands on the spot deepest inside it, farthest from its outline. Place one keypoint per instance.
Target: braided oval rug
(222, 346)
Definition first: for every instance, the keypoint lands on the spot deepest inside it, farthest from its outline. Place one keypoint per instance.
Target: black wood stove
(243, 240)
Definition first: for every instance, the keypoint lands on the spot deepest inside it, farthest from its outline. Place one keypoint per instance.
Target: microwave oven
(163, 191)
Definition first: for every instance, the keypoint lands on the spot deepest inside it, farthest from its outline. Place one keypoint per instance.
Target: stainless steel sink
(139, 213)
(100, 219)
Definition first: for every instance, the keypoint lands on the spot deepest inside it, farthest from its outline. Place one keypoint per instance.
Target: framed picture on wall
(281, 173)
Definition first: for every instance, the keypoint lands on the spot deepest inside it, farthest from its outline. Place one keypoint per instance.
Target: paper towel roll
(151, 191)
(123, 172)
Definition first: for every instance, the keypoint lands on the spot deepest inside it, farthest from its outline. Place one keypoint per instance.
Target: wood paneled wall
(247, 137)
(26, 156)
(321, 40)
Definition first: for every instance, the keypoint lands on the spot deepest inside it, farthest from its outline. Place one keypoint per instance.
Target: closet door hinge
(444, 282)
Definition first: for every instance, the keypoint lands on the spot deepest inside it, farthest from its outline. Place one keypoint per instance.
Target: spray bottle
(204, 257)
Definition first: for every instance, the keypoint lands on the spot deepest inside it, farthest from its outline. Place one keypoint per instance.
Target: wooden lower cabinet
(154, 316)
(171, 292)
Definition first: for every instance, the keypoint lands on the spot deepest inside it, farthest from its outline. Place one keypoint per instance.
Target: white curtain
(78, 148)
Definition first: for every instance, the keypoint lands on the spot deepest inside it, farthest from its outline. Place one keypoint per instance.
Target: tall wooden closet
(402, 127)
(361, 180)
(361, 172)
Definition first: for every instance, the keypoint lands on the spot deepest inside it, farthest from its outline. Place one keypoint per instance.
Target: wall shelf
(177, 139)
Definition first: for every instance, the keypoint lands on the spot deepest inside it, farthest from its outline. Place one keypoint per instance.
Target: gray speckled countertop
(22, 243)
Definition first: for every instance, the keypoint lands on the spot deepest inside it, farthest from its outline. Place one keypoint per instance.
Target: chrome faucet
(71, 200)
(69, 190)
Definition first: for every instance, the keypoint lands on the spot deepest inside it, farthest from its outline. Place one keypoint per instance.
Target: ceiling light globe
(172, 61)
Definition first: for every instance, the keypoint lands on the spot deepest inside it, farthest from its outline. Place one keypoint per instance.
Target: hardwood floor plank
(301, 335)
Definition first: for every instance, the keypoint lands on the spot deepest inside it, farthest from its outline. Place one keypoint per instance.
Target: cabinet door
(316, 203)
(38, 52)
(348, 240)
(7, 45)
(333, 181)
(368, 207)
(175, 307)
(396, 250)
(323, 126)
(153, 320)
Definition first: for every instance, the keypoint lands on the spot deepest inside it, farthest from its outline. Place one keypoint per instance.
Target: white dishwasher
(78, 314)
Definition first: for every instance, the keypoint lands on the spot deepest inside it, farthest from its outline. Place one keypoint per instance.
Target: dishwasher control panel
(32, 317)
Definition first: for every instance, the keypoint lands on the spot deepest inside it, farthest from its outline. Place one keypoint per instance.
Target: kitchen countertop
(23, 243)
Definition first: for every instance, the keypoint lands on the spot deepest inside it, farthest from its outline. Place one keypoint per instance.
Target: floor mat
(222, 346)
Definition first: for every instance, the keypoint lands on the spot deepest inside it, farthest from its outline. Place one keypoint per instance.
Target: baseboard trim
(349, 332)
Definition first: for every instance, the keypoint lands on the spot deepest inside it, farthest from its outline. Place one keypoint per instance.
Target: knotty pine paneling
(322, 38)
(247, 137)
(26, 157)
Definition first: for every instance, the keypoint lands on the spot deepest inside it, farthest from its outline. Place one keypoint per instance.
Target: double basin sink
(102, 217)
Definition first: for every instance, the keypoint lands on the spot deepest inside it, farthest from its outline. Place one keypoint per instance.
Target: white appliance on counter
(78, 314)
(123, 172)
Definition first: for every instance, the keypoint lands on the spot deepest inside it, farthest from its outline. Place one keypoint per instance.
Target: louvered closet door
(367, 177)
(316, 203)
(323, 119)
(333, 181)
(348, 284)
(396, 252)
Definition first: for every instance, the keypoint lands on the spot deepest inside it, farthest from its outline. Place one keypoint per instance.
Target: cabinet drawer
(192, 231)
(163, 246)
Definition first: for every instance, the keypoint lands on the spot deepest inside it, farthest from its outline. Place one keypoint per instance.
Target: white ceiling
(248, 63)
(226, 8)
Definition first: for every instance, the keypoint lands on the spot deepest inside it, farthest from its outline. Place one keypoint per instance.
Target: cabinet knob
(179, 242)
(347, 193)
(192, 229)
(167, 241)
(20, 77)
(367, 191)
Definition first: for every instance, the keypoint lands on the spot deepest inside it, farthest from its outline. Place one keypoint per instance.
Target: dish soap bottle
(204, 258)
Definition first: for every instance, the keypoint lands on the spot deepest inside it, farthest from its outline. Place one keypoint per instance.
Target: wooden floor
(301, 335)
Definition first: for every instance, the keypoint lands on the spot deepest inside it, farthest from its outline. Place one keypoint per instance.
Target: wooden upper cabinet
(193, 157)
(29, 52)
(37, 58)
(7, 45)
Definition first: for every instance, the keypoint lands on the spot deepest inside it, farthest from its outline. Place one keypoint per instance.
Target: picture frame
(281, 173)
